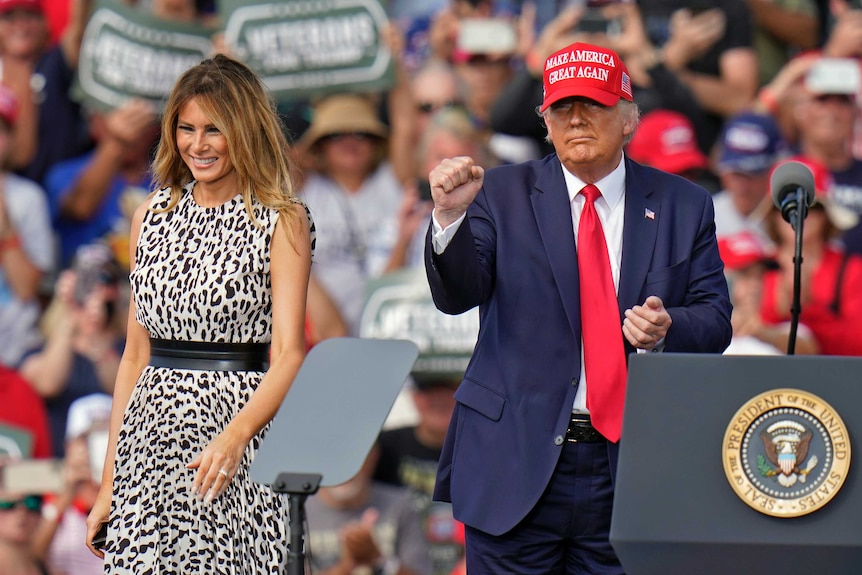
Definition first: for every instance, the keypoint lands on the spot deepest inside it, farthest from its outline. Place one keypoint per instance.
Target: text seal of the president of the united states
(786, 452)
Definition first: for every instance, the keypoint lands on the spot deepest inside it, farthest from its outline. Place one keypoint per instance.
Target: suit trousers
(567, 532)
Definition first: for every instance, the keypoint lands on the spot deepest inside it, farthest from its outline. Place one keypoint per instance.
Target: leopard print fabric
(201, 274)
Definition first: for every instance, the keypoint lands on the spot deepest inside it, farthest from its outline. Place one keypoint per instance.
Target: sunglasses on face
(487, 60)
(344, 135)
(839, 98)
(428, 107)
(30, 503)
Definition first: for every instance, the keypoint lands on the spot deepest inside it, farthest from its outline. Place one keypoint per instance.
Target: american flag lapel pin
(649, 214)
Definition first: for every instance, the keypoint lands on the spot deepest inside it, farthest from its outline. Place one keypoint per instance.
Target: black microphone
(792, 184)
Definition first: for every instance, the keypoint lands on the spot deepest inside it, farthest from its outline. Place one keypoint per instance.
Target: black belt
(582, 431)
(210, 356)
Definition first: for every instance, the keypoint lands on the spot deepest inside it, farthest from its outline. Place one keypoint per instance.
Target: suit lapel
(550, 200)
(553, 214)
(640, 229)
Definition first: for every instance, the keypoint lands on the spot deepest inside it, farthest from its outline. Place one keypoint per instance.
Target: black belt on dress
(209, 356)
(581, 430)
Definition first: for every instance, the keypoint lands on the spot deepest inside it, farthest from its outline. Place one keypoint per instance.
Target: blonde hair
(236, 101)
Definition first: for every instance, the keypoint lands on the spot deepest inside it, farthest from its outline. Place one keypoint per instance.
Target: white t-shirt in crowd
(356, 232)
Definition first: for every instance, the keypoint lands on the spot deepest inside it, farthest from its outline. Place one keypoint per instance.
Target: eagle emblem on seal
(786, 446)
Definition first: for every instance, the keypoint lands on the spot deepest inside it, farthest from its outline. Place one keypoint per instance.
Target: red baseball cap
(8, 106)
(585, 70)
(32, 5)
(742, 249)
(665, 140)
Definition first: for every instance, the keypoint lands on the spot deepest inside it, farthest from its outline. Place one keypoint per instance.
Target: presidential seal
(786, 453)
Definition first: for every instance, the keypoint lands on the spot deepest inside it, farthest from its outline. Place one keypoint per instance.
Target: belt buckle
(581, 430)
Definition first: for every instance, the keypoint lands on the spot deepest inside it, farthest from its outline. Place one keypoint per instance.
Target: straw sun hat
(343, 114)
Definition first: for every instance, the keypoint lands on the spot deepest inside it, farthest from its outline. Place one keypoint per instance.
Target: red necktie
(601, 329)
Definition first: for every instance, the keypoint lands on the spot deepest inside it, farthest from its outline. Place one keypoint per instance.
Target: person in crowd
(783, 94)
(483, 71)
(826, 115)
(363, 526)
(20, 515)
(65, 513)
(44, 73)
(449, 133)
(83, 341)
(26, 247)
(87, 193)
(354, 192)
(665, 140)
(546, 384)
(830, 299)
(357, 167)
(746, 258)
(445, 25)
(434, 87)
(409, 456)
(706, 48)
(749, 147)
(221, 254)
(481, 43)
(22, 33)
(815, 99)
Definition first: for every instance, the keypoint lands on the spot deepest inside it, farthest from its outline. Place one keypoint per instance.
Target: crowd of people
(725, 92)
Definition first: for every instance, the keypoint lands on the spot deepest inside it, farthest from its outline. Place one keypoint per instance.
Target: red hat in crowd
(586, 70)
(740, 250)
(32, 5)
(665, 140)
(8, 106)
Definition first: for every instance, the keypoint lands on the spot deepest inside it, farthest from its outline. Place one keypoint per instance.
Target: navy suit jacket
(514, 256)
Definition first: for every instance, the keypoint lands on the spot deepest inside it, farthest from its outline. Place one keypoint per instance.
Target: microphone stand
(796, 211)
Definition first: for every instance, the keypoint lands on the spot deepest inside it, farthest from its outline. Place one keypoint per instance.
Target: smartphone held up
(594, 20)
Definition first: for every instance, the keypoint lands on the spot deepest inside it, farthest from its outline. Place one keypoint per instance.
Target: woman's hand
(216, 465)
(98, 515)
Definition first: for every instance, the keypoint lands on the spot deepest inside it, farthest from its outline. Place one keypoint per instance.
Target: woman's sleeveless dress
(202, 274)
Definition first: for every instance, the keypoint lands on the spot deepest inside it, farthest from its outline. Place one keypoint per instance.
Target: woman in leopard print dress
(221, 256)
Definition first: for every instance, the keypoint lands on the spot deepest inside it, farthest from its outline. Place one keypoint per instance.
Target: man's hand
(358, 539)
(455, 182)
(845, 40)
(646, 325)
(692, 35)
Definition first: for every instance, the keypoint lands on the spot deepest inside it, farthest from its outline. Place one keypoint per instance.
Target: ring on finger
(223, 472)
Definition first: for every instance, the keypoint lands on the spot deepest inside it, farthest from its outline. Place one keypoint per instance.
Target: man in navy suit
(526, 470)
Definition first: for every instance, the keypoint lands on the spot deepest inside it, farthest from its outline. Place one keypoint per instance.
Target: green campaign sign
(399, 306)
(304, 47)
(127, 52)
